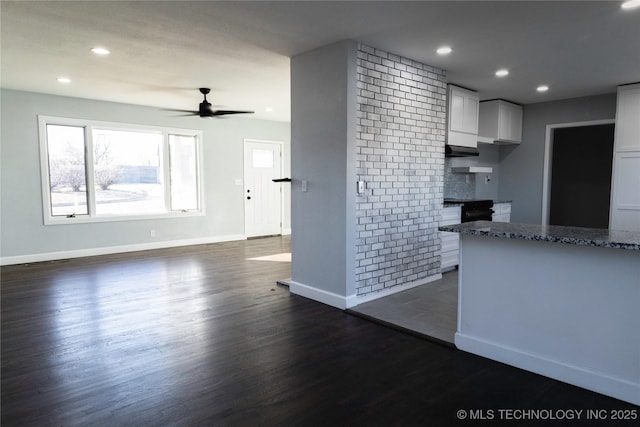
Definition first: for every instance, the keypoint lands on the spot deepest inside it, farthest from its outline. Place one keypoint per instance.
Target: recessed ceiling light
(64, 80)
(268, 109)
(542, 88)
(502, 73)
(631, 4)
(444, 50)
(100, 51)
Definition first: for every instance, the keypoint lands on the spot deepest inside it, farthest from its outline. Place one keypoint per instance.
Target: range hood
(489, 140)
(460, 151)
(472, 169)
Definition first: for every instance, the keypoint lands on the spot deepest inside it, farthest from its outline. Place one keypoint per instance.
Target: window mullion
(199, 177)
(89, 158)
(166, 170)
(45, 169)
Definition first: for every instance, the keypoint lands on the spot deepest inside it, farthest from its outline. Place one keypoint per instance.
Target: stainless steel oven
(473, 210)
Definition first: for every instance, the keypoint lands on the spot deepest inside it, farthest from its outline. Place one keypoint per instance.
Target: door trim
(245, 142)
(548, 160)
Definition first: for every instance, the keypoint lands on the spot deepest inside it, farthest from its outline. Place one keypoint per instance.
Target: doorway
(579, 159)
(262, 197)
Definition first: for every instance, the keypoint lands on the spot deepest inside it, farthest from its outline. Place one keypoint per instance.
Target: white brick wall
(400, 155)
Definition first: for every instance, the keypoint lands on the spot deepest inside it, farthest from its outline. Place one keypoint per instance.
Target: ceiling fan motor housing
(205, 108)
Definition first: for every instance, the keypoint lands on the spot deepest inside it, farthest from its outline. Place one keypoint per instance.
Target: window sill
(84, 219)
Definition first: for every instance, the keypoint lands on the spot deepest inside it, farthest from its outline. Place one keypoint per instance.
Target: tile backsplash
(473, 185)
(458, 185)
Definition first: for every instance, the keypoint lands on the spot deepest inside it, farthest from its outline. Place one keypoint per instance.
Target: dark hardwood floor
(202, 335)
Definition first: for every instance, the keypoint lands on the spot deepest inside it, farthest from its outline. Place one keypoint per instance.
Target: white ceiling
(163, 51)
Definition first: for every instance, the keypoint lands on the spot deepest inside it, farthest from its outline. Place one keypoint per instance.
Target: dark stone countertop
(448, 204)
(599, 237)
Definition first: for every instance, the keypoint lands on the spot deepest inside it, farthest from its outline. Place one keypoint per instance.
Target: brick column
(401, 124)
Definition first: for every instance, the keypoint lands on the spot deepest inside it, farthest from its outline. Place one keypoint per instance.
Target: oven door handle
(477, 215)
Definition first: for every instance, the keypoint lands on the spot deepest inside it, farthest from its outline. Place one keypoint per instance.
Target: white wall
(359, 113)
(323, 139)
(23, 235)
(521, 166)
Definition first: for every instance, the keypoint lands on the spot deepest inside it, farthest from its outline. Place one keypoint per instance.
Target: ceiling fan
(205, 110)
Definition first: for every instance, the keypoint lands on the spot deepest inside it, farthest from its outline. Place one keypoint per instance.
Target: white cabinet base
(501, 212)
(450, 242)
(575, 319)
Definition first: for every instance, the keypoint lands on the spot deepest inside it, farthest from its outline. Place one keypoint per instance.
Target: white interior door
(262, 196)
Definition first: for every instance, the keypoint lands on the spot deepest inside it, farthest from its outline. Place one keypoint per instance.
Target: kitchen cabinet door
(624, 211)
(450, 242)
(462, 117)
(625, 199)
(510, 122)
(628, 119)
(501, 212)
(500, 122)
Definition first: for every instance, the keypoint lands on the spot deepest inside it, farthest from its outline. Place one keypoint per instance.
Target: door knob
(248, 197)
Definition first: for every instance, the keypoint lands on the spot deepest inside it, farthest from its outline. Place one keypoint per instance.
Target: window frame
(91, 216)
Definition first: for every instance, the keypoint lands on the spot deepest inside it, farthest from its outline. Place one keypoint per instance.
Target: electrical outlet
(152, 233)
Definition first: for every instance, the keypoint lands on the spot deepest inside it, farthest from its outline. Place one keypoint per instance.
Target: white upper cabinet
(462, 117)
(625, 185)
(628, 119)
(500, 122)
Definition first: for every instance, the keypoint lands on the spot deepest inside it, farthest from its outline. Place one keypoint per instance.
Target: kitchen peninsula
(563, 302)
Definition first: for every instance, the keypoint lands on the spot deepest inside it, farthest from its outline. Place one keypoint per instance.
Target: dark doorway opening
(581, 176)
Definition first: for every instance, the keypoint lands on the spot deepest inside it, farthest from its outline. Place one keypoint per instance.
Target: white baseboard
(319, 295)
(578, 376)
(78, 253)
(344, 302)
(354, 300)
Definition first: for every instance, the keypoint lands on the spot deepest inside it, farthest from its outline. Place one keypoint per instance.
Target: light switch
(304, 185)
(360, 187)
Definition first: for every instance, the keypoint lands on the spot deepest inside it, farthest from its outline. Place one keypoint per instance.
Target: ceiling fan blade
(189, 112)
(226, 112)
(205, 109)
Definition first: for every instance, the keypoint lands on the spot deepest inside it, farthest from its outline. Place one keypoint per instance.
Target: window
(184, 180)
(95, 171)
(127, 172)
(67, 173)
(262, 158)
